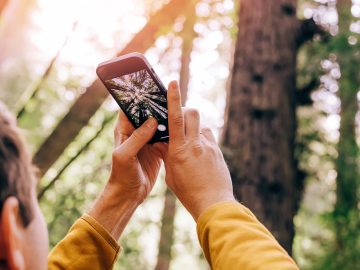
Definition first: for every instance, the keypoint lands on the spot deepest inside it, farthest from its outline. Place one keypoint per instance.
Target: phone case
(138, 91)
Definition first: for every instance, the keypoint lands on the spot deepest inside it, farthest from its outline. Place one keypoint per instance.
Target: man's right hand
(195, 168)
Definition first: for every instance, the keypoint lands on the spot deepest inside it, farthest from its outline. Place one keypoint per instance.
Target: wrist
(113, 209)
(203, 204)
(119, 194)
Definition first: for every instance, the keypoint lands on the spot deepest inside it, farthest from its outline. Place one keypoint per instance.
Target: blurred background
(277, 81)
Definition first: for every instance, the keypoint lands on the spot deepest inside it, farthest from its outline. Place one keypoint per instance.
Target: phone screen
(140, 98)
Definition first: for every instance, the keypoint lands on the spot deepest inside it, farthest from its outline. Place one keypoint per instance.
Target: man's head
(23, 233)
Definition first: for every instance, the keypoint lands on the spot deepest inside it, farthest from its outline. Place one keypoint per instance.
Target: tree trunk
(346, 212)
(259, 134)
(167, 222)
(167, 231)
(188, 35)
(88, 103)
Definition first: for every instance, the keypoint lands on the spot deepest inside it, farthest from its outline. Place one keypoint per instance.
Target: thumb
(140, 137)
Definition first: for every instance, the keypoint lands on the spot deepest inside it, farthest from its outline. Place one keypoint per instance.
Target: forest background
(278, 82)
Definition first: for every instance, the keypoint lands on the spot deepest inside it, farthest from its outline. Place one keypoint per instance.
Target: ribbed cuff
(102, 231)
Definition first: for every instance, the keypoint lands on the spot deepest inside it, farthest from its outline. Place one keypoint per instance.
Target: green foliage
(330, 240)
(320, 224)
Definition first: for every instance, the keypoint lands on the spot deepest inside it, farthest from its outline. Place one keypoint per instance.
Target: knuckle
(132, 159)
(206, 130)
(197, 148)
(174, 96)
(178, 155)
(119, 157)
(178, 119)
(213, 149)
(138, 133)
(193, 113)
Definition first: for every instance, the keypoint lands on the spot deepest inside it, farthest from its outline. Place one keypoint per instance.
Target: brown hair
(16, 169)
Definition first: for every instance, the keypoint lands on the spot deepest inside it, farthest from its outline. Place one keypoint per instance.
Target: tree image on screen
(139, 96)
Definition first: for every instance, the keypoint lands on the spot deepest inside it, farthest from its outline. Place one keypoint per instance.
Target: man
(229, 233)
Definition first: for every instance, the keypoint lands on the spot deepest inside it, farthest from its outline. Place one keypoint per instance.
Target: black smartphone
(137, 89)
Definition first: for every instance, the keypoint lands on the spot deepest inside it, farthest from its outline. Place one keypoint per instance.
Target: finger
(139, 138)
(119, 138)
(126, 127)
(176, 118)
(162, 149)
(208, 134)
(123, 128)
(192, 124)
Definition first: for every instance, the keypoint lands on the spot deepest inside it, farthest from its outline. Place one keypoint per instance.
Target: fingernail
(174, 84)
(151, 122)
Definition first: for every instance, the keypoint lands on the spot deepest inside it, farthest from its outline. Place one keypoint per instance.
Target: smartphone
(137, 89)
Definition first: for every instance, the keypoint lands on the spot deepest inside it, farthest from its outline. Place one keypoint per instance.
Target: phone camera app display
(140, 98)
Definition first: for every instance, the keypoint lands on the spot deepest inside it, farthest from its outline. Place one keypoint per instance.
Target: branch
(303, 95)
(88, 103)
(32, 92)
(71, 160)
(308, 29)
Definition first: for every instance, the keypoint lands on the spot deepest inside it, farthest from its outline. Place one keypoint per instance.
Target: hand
(195, 168)
(135, 167)
(135, 164)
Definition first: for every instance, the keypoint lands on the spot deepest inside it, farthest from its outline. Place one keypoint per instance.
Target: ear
(12, 229)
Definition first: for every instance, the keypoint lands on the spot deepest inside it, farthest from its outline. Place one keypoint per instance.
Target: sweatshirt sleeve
(232, 238)
(87, 246)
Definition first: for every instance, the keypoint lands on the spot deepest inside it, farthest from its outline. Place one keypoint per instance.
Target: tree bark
(259, 134)
(166, 232)
(167, 223)
(88, 103)
(188, 35)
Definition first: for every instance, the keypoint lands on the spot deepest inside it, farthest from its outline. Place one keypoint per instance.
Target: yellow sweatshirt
(232, 238)
(230, 235)
(87, 246)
